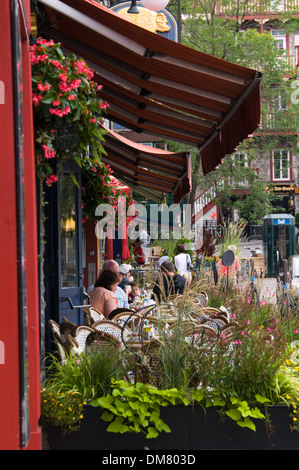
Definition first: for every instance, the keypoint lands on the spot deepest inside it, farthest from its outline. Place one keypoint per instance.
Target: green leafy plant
(136, 408)
(233, 407)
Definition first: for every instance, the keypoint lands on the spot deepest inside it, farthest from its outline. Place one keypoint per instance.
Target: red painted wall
(9, 315)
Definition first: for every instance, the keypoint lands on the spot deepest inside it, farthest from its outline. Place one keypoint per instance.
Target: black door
(70, 270)
(63, 293)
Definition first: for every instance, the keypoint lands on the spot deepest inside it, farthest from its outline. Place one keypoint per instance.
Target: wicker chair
(113, 328)
(228, 334)
(55, 327)
(97, 340)
(199, 334)
(61, 350)
(95, 315)
(202, 298)
(150, 368)
(59, 335)
(130, 320)
(79, 335)
(117, 311)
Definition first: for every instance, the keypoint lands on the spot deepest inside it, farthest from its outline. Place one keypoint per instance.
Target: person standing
(234, 271)
(144, 240)
(183, 262)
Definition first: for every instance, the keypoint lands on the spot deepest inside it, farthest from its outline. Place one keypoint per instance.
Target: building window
(277, 5)
(280, 36)
(281, 165)
(240, 159)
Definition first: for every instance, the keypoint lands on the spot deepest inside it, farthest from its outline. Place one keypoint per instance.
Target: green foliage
(91, 373)
(242, 372)
(136, 408)
(78, 381)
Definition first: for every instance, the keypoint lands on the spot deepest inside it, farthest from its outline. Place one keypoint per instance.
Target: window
(280, 36)
(277, 5)
(240, 159)
(281, 165)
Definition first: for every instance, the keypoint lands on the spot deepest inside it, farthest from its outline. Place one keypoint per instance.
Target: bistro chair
(58, 334)
(149, 369)
(65, 320)
(112, 328)
(95, 315)
(200, 334)
(117, 311)
(54, 327)
(79, 335)
(99, 340)
(202, 298)
(86, 316)
(129, 320)
(60, 348)
(228, 333)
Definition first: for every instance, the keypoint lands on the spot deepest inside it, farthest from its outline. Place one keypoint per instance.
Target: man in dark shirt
(172, 283)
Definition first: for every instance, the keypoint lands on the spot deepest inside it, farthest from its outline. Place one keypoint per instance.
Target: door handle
(72, 306)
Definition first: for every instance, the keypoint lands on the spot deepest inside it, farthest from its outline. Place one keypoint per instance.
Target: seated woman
(102, 297)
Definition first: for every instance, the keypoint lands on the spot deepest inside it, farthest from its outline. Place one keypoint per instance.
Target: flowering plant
(99, 187)
(65, 97)
(63, 409)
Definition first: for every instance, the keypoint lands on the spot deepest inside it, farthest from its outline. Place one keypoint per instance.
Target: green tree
(221, 29)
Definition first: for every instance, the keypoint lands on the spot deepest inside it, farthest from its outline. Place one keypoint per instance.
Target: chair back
(99, 340)
(79, 335)
(60, 348)
(197, 335)
(95, 315)
(130, 320)
(110, 327)
(54, 327)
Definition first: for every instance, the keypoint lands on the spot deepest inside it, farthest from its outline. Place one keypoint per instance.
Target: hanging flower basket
(67, 109)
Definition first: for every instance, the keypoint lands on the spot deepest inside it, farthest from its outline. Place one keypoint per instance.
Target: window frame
(282, 168)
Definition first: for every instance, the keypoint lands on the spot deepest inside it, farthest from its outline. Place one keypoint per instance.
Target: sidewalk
(266, 288)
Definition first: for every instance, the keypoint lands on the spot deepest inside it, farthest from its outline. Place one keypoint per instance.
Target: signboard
(159, 22)
(281, 221)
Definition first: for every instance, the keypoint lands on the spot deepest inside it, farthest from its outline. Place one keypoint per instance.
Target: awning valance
(157, 86)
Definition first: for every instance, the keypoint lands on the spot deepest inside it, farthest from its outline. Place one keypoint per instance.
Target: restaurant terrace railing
(261, 7)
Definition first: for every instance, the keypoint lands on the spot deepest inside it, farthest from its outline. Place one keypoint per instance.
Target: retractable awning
(149, 171)
(157, 86)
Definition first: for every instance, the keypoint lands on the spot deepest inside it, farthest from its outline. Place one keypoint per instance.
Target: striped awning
(150, 171)
(156, 86)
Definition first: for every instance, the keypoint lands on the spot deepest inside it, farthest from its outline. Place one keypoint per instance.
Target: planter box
(192, 428)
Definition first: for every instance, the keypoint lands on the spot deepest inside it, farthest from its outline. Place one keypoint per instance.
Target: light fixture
(155, 5)
(133, 8)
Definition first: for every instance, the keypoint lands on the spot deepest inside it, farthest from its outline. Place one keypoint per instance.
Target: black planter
(92, 435)
(192, 428)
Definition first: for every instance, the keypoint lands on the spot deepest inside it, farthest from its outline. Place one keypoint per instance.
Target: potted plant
(236, 391)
